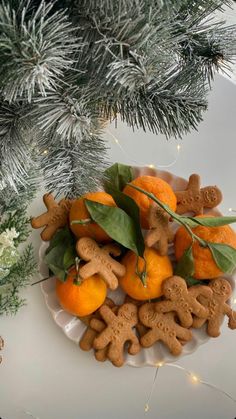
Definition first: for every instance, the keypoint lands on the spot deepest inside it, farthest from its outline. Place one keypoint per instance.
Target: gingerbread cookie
(118, 332)
(55, 217)
(141, 329)
(217, 307)
(100, 261)
(183, 300)
(163, 328)
(86, 342)
(1, 347)
(160, 233)
(194, 199)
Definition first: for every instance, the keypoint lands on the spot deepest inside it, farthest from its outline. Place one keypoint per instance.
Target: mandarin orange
(158, 187)
(158, 268)
(83, 299)
(79, 212)
(205, 266)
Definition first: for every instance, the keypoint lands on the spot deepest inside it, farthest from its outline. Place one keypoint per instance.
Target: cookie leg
(213, 328)
(173, 344)
(101, 354)
(134, 348)
(197, 322)
(115, 353)
(86, 342)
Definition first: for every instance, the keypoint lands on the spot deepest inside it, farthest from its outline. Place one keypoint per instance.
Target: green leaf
(62, 236)
(69, 257)
(208, 221)
(131, 208)
(192, 281)
(224, 256)
(117, 176)
(116, 223)
(185, 266)
(61, 254)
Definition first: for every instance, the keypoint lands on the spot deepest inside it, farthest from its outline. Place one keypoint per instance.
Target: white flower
(7, 239)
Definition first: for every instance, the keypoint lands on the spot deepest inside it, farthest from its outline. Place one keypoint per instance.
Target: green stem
(173, 214)
(142, 275)
(85, 221)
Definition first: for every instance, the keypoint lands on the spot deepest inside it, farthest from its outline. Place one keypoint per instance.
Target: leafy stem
(180, 220)
(142, 274)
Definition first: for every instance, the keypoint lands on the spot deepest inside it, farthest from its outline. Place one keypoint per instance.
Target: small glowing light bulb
(116, 141)
(194, 378)
(230, 209)
(45, 152)
(146, 408)
(178, 147)
(160, 364)
(151, 166)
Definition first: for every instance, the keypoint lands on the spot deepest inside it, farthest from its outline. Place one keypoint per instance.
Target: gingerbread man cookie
(55, 217)
(194, 199)
(118, 332)
(163, 328)
(183, 300)
(100, 261)
(141, 329)
(1, 347)
(86, 342)
(217, 307)
(159, 234)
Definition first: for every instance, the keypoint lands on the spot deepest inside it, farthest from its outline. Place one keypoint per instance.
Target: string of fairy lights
(131, 159)
(194, 378)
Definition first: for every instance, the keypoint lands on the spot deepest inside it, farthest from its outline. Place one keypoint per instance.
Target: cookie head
(174, 287)
(212, 196)
(147, 314)
(221, 286)
(129, 313)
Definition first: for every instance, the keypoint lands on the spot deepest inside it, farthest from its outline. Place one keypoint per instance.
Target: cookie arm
(194, 183)
(200, 290)
(88, 270)
(150, 338)
(41, 220)
(231, 315)
(97, 325)
(103, 339)
(112, 249)
(165, 306)
(107, 314)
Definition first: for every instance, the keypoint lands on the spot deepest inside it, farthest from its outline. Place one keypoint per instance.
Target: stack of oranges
(83, 299)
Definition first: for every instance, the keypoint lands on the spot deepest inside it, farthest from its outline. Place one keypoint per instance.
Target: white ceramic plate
(74, 328)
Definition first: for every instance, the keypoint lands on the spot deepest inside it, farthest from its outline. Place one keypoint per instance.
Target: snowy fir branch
(68, 66)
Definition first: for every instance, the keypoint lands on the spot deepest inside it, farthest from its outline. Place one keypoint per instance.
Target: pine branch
(10, 200)
(35, 49)
(17, 147)
(76, 168)
(18, 278)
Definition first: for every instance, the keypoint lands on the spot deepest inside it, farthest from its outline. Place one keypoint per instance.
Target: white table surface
(45, 375)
